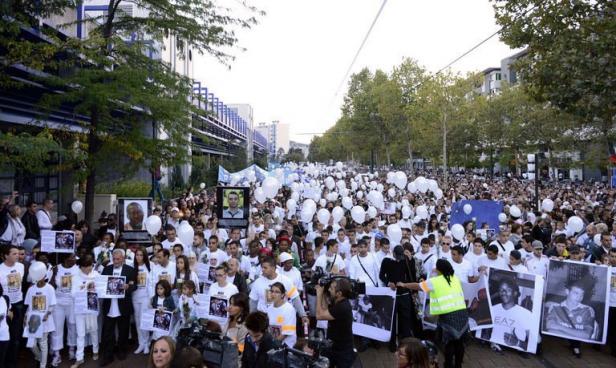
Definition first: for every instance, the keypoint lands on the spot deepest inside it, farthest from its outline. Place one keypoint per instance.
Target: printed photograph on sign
(233, 206)
(65, 240)
(515, 306)
(115, 285)
(373, 313)
(135, 212)
(218, 307)
(478, 304)
(576, 302)
(162, 320)
(92, 301)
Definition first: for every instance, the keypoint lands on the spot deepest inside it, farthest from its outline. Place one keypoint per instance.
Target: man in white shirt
(286, 261)
(384, 251)
(260, 298)
(462, 268)
(222, 289)
(164, 270)
(212, 257)
(418, 234)
(444, 249)
(491, 260)
(364, 266)
(426, 256)
(538, 264)
(43, 216)
(476, 252)
(504, 245)
(331, 262)
(515, 262)
(172, 238)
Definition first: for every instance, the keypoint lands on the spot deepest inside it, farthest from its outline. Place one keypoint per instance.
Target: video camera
(217, 350)
(319, 277)
(285, 357)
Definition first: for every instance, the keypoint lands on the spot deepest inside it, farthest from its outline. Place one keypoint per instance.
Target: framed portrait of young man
(233, 206)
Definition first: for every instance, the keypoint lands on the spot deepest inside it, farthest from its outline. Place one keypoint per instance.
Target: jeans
(16, 327)
(62, 314)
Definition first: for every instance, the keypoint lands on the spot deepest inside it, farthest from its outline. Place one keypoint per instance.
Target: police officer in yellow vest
(447, 302)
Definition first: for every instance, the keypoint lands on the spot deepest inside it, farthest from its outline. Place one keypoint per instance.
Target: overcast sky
(298, 54)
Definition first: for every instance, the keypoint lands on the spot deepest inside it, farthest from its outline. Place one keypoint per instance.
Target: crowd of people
(257, 279)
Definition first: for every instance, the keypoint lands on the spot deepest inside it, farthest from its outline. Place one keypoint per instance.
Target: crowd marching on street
(254, 284)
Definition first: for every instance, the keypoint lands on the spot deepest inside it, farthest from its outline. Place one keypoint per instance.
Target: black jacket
(125, 304)
(31, 224)
(257, 359)
(240, 282)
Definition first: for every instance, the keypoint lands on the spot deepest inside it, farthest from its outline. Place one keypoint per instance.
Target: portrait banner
(577, 301)
(132, 213)
(57, 241)
(478, 304)
(515, 306)
(233, 206)
(110, 287)
(373, 313)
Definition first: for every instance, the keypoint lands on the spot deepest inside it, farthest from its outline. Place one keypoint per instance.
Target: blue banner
(483, 212)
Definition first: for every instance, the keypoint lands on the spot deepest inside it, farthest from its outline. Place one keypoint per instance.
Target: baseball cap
(537, 244)
(283, 257)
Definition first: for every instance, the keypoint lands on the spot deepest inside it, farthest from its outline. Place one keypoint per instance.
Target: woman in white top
(183, 273)
(141, 298)
(86, 320)
(62, 280)
(281, 316)
(15, 232)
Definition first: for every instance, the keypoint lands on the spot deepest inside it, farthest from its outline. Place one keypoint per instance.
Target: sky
(297, 56)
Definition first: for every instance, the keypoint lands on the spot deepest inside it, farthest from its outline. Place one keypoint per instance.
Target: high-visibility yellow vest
(446, 298)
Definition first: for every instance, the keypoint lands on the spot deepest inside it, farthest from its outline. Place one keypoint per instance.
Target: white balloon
(391, 192)
(322, 202)
(306, 215)
(270, 186)
(422, 184)
(390, 177)
(502, 217)
(412, 187)
(330, 183)
(358, 214)
(359, 194)
(337, 214)
(339, 165)
(380, 187)
(77, 207)
(309, 203)
(340, 184)
(186, 234)
(438, 193)
(575, 223)
(406, 212)
(400, 179)
(372, 212)
(547, 205)
(260, 195)
(422, 212)
(531, 217)
(467, 209)
(515, 211)
(295, 197)
(344, 192)
(394, 233)
(405, 202)
(37, 271)
(202, 185)
(416, 220)
(153, 224)
(353, 186)
(291, 204)
(432, 185)
(323, 216)
(338, 175)
(347, 203)
(457, 231)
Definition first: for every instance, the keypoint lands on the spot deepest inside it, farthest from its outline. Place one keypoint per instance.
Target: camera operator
(336, 309)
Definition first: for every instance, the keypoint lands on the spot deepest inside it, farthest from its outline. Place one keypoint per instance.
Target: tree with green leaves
(126, 96)
(570, 59)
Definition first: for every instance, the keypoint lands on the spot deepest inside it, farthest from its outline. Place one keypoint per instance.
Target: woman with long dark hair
(412, 353)
(447, 302)
(238, 311)
(141, 264)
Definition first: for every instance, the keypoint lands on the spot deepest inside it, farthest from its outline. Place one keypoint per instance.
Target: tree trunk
(409, 148)
(445, 151)
(93, 147)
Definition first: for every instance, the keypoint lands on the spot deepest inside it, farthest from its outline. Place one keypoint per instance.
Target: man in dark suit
(30, 221)
(117, 312)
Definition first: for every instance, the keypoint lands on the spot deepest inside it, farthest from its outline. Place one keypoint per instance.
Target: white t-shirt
(463, 270)
(283, 321)
(334, 263)
(83, 282)
(44, 220)
(158, 273)
(504, 248)
(538, 266)
(518, 268)
(169, 245)
(227, 291)
(41, 300)
(11, 278)
(64, 284)
(4, 327)
(496, 263)
(371, 266)
(143, 278)
(517, 321)
(260, 290)
(211, 260)
(295, 276)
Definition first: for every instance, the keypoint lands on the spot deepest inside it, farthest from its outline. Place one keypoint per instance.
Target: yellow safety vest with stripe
(445, 298)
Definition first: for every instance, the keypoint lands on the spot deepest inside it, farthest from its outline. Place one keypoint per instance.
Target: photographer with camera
(334, 307)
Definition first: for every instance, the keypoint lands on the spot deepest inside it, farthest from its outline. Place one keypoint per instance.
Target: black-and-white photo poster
(478, 304)
(576, 301)
(373, 313)
(515, 305)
